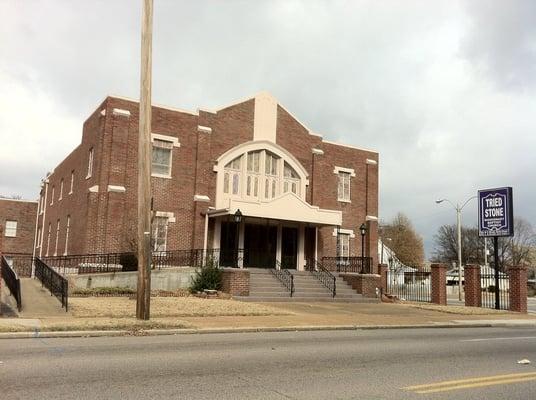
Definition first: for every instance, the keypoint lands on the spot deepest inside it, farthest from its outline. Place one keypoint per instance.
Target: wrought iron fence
(284, 276)
(411, 286)
(53, 281)
(12, 282)
(324, 276)
(21, 263)
(488, 289)
(359, 265)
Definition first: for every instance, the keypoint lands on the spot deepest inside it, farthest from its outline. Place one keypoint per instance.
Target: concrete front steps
(266, 287)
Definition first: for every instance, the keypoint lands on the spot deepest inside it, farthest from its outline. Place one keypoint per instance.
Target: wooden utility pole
(144, 166)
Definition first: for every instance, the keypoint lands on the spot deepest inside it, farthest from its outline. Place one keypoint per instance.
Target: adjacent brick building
(301, 196)
(17, 218)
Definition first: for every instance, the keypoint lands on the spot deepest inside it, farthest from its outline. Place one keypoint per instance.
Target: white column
(301, 248)
(241, 232)
(316, 243)
(279, 241)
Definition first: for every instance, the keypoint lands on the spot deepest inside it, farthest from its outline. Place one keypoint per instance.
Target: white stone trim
(121, 112)
(137, 101)
(206, 110)
(165, 138)
(350, 171)
(344, 232)
(164, 176)
(201, 197)
(204, 129)
(371, 218)
(103, 112)
(116, 189)
(318, 152)
(349, 146)
(371, 162)
(20, 200)
(169, 215)
(94, 189)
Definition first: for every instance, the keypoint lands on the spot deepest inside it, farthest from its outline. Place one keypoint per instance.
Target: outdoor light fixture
(238, 216)
(363, 230)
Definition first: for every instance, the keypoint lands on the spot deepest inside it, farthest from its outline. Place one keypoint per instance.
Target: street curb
(190, 331)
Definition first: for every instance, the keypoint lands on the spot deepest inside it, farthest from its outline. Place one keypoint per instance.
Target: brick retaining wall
(235, 281)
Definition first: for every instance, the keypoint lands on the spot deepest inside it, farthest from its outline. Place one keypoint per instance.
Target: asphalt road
(370, 364)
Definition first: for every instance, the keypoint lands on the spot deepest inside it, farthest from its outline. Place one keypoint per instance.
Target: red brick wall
(105, 221)
(518, 288)
(235, 281)
(472, 286)
(439, 282)
(24, 212)
(364, 284)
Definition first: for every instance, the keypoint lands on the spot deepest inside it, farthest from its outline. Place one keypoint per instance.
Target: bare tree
(446, 245)
(405, 242)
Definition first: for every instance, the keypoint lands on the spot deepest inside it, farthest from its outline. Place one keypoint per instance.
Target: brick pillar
(439, 284)
(473, 291)
(383, 274)
(1, 237)
(518, 289)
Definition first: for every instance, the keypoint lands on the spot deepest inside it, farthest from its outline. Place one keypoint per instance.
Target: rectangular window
(160, 226)
(67, 234)
(11, 229)
(90, 164)
(52, 197)
(161, 163)
(344, 245)
(57, 237)
(72, 182)
(38, 238)
(48, 238)
(344, 186)
(61, 189)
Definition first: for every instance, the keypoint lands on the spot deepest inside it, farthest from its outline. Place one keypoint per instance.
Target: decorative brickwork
(364, 284)
(383, 275)
(235, 281)
(439, 284)
(473, 290)
(518, 288)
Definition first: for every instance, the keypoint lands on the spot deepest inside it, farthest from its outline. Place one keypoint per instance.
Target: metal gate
(488, 285)
(410, 286)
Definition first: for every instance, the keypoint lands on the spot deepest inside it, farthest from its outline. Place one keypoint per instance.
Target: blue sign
(495, 212)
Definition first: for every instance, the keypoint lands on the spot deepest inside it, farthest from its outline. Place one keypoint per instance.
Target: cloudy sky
(444, 90)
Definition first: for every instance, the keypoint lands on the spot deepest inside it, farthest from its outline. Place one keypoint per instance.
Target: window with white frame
(61, 189)
(253, 173)
(291, 180)
(343, 192)
(231, 177)
(11, 229)
(57, 237)
(72, 182)
(271, 168)
(161, 162)
(344, 245)
(160, 227)
(48, 238)
(90, 164)
(67, 228)
(52, 197)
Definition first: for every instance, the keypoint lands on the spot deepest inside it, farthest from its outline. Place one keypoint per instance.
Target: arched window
(291, 180)
(231, 178)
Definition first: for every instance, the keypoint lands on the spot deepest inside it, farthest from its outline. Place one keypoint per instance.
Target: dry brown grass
(120, 307)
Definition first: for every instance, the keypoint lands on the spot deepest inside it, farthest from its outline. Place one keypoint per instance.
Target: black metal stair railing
(53, 281)
(321, 273)
(284, 276)
(12, 281)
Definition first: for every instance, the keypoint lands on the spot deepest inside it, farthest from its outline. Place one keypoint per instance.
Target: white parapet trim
(165, 138)
(204, 129)
(344, 232)
(371, 218)
(318, 152)
(201, 197)
(371, 162)
(120, 112)
(94, 189)
(103, 112)
(117, 189)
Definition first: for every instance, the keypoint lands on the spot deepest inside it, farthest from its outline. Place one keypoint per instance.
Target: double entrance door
(260, 245)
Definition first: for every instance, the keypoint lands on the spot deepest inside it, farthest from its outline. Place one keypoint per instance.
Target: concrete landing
(37, 301)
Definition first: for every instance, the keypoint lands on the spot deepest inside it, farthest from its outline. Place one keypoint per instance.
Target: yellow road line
(479, 384)
(485, 379)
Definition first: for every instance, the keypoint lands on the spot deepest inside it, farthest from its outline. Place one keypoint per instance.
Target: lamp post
(459, 235)
(237, 216)
(363, 231)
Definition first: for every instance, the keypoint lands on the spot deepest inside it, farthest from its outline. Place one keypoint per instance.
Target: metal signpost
(495, 219)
